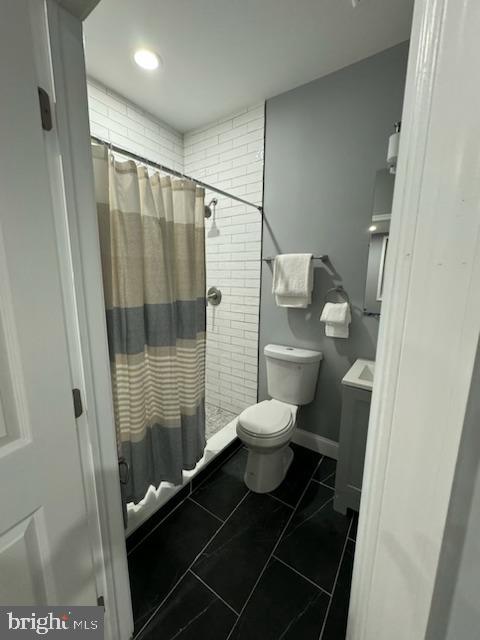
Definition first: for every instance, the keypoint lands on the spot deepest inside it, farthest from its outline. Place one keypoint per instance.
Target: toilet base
(266, 470)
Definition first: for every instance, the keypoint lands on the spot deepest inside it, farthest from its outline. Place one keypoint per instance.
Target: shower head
(208, 207)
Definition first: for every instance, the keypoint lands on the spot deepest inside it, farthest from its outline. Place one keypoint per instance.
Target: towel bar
(323, 258)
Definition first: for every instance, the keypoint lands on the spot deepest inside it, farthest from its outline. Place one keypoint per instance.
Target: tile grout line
(214, 592)
(190, 492)
(335, 581)
(323, 483)
(312, 515)
(188, 569)
(302, 576)
(274, 548)
(205, 509)
(281, 501)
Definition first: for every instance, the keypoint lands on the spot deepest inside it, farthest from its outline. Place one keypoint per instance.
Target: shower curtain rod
(173, 172)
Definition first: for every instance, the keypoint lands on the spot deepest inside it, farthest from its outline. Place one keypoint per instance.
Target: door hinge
(77, 403)
(45, 109)
(101, 601)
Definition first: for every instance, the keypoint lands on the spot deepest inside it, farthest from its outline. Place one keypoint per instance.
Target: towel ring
(339, 291)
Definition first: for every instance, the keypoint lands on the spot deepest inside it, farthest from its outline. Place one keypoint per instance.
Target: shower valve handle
(214, 296)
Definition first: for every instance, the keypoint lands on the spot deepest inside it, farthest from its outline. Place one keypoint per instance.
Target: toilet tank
(292, 373)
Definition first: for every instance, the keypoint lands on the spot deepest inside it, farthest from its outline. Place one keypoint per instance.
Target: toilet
(266, 428)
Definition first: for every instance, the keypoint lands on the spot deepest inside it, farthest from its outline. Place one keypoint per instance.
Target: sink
(366, 373)
(360, 374)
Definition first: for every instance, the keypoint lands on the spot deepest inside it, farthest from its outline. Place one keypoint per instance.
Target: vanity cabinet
(351, 450)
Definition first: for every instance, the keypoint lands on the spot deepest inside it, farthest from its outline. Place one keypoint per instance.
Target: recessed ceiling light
(372, 228)
(146, 59)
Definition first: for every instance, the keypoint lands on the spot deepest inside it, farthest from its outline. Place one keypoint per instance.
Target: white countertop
(360, 374)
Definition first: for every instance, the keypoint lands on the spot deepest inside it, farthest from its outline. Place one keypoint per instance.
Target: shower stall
(173, 416)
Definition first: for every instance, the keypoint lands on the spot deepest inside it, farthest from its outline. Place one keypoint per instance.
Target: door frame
(433, 261)
(80, 264)
(429, 329)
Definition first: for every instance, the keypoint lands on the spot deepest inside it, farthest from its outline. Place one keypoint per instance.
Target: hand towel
(337, 317)
(293, 280)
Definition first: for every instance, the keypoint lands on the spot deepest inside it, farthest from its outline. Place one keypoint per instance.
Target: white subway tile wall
(123, 123)
(229, 155)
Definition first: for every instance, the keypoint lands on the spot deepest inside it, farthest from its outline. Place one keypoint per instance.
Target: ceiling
(223, 55)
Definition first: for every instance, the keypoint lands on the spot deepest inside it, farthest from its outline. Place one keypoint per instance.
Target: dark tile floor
(229, 563)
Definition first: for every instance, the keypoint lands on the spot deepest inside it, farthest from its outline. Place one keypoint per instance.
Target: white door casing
(45, 554)
(78, 243)
(429, 329)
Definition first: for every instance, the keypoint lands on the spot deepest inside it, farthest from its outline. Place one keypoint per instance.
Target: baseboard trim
(316, 443)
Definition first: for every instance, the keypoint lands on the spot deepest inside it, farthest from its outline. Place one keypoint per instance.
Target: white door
(45, 556)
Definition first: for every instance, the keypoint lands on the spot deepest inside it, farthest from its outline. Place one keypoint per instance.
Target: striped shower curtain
(153, 260)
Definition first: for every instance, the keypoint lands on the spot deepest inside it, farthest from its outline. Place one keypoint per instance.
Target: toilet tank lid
(292, 354)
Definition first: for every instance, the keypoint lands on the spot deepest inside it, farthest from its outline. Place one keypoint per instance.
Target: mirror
(379, 230)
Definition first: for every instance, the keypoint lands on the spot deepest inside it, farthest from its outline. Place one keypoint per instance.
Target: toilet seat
(267, 419)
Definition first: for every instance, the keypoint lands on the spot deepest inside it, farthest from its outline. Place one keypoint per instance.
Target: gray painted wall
(324, 142)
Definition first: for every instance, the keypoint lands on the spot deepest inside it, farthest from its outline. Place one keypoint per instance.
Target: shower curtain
(153, 261)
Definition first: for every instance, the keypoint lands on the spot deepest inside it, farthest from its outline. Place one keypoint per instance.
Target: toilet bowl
(266, 428)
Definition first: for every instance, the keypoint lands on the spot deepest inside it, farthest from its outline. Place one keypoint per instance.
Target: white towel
(293, 280)
(337, 317)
